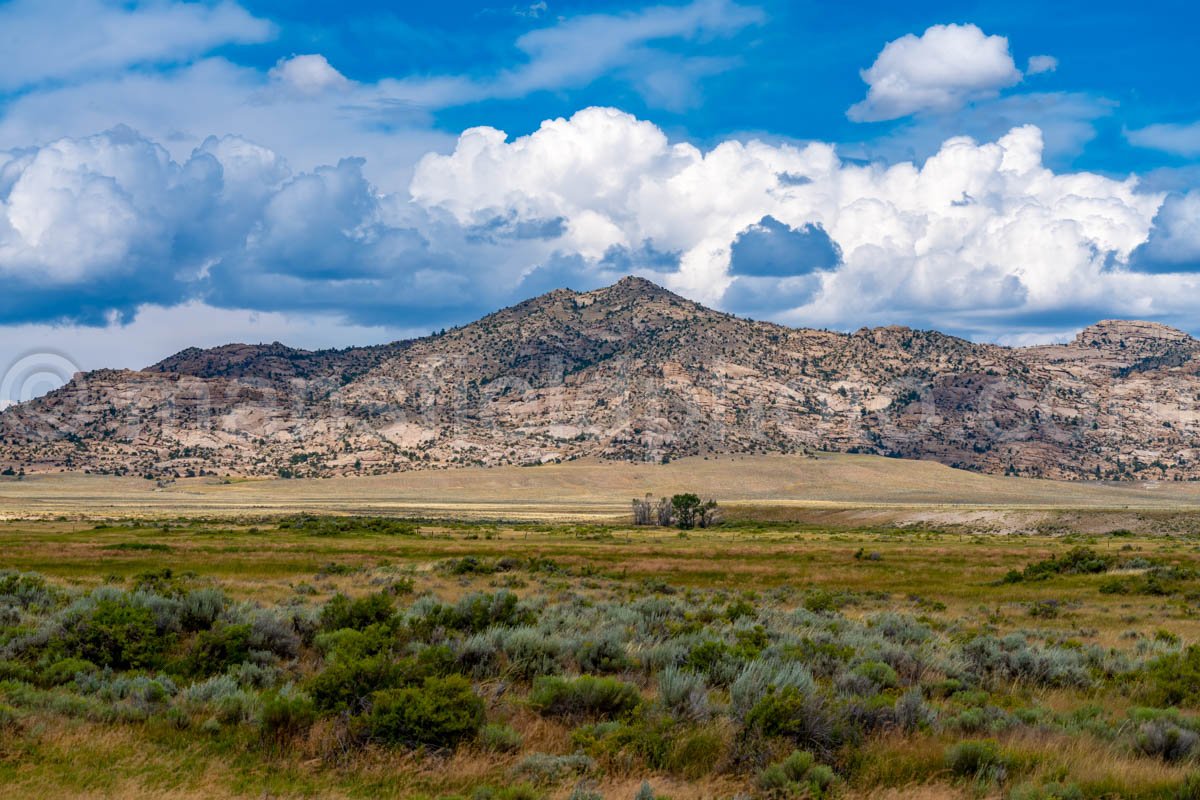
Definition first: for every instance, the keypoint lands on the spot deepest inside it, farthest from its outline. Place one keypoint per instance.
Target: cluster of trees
(683, 511)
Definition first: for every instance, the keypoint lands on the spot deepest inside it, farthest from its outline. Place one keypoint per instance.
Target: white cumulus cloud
(79, 207)
(310, 74)
(975, 238)
(977, 230)
(940, 70)
(1039, 64)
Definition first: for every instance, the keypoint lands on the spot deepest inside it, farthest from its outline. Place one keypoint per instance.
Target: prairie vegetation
(364, 657)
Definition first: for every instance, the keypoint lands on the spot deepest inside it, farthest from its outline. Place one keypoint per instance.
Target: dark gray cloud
(766, 297)
(1174, 241)
(770, 248)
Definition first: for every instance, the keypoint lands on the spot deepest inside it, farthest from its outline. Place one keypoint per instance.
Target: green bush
(163, 582)
(737, 609)
(477, 611)
(286, 714)
(467, 565)
(879, 673)
(118, 634)
(802, 717)
(706, 657)
(825, 601)
(64, 671)
(646, 739)
(347, 643)
(342, 612)
(1076, 561)
(604, 654)
(970, 720)
(347, 684)
(440, 713)
(16, 671)
(140, 546)
(500, 738)
(473, 613)
(1114, 586)
(1174, 679)
(431, 662)
(974, 758)
(798, 775)
(583, 697)
(216, 650)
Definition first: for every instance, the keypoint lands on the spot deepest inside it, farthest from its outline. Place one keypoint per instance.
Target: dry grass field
(855, 629)
(779, 487)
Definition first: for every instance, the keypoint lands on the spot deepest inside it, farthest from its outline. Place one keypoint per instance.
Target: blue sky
(792, 74)
(176, 173)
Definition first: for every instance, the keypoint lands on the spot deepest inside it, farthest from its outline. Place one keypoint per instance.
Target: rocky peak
(1121, 334)
(630, 288)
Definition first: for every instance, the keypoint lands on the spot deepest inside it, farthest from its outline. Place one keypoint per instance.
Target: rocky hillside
(631, 372)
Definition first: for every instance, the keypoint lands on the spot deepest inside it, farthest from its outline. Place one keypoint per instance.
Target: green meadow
(311, 656)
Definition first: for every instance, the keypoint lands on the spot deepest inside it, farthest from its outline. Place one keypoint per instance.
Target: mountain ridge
(631, 371)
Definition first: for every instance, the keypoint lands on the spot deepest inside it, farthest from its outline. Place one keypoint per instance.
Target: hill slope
(631, 372)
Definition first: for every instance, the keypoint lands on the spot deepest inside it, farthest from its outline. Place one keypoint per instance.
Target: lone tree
(687, 509)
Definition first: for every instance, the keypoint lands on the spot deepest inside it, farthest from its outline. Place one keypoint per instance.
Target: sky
(194, 173)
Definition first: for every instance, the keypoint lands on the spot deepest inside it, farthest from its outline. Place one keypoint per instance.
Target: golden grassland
(786, 486)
